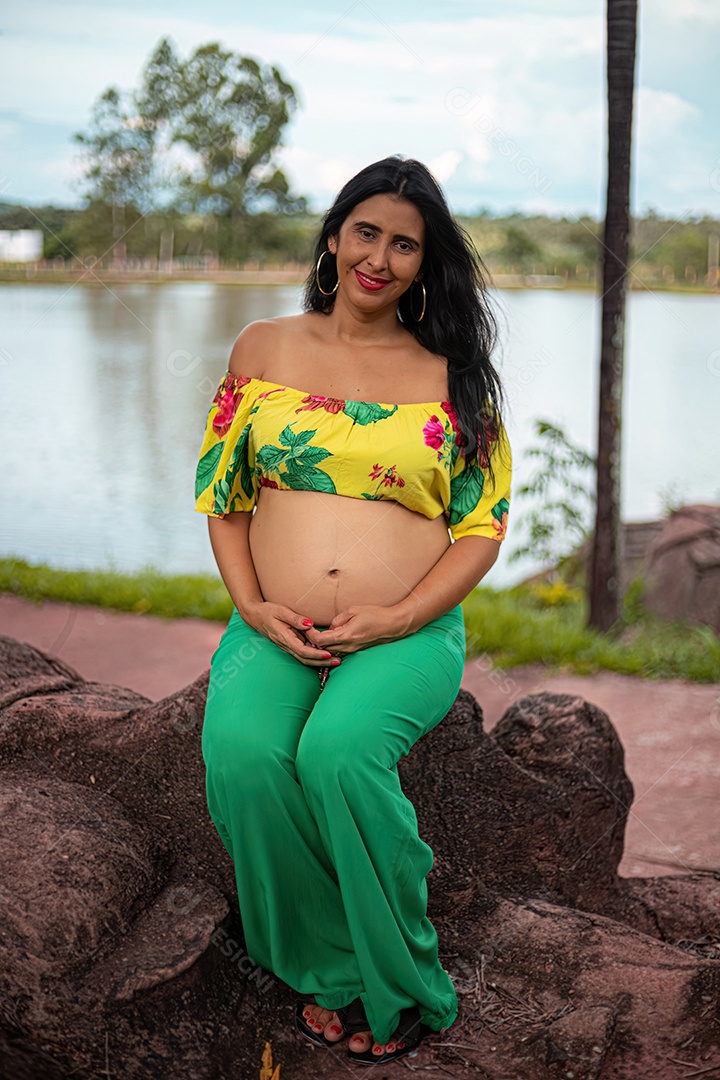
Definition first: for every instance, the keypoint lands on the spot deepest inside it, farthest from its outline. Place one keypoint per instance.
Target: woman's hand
(284, 627)
(357, 628)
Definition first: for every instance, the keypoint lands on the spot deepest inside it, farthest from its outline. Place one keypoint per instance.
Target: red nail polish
(336, 1029)
(307, 622)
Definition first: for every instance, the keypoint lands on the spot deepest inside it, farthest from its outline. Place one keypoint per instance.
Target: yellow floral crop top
(264, 434)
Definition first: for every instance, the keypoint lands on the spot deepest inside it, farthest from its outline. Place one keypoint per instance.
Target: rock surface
(682, 566)
(122, 951)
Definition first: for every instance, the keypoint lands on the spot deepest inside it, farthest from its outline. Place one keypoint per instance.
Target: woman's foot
(323, 1022)
(364, 1041)
(363, 1049)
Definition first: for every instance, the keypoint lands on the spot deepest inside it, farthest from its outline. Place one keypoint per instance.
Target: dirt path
(670, 729)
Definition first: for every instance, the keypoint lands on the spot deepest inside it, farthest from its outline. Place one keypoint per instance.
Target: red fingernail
(307, 622)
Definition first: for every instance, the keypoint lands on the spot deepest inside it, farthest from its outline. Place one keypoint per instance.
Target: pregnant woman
(356, 473)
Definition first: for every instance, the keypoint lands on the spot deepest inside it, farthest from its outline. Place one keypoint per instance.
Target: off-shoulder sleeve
(477, 507)
(224, 479)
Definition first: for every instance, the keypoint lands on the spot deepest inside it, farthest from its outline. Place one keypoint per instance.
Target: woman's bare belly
(319, 553)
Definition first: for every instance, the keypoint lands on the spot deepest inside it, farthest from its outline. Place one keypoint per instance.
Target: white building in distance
(21, 245)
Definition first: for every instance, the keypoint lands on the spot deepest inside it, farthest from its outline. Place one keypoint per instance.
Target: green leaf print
(366, 496)
(291, 438)
(301, 478)
(238, 463)
(271, 457)
(240, 458)
(310, 455)
(221, 494)
(500, 508)
(367, 412)
(206, 467)
(465, 492)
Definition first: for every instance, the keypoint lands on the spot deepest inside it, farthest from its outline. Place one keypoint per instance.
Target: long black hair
(458, 322)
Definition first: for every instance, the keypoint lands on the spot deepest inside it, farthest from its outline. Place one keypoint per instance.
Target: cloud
(661, 114)
(444, 166)
(706, 11)
(373, 81)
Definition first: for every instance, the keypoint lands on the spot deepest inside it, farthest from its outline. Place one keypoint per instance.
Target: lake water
(105, 390)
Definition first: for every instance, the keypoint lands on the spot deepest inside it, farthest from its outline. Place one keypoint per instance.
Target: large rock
(682, 567)
(122, 951)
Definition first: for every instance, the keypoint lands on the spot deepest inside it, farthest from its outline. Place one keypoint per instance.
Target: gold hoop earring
(317, 275)
(424, 300)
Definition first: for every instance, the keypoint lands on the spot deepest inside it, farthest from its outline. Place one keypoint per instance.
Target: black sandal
(410, 1031)
(353, 1017)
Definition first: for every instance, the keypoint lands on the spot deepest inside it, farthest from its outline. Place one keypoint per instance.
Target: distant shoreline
(89, 276)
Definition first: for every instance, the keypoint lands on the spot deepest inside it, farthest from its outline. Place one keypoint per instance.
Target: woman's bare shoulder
(261, 343)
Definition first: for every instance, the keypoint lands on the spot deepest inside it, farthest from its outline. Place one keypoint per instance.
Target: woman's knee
(325, 758)
(245, 759)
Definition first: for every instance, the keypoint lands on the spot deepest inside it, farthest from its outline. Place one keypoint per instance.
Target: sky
(505, 102)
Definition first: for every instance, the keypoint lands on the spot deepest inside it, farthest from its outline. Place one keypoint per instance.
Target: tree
(563, 498)
(519, 247)
(605, 562)
(230, 112)
(198, 135)
(119, 153)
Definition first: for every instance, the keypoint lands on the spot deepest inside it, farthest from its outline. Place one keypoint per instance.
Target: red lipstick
(371, 284)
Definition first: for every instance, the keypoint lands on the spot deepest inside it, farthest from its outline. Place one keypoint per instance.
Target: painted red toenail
(401, 1046)
(336, 1029)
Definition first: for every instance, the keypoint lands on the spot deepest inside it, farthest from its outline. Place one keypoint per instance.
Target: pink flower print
(449, 408)
(227, 399)
(434, 434)
(500, 527)
(452, 415)
(315, 401)
(391, 478)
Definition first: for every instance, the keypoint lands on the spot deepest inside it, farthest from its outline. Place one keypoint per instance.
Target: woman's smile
(371, 283)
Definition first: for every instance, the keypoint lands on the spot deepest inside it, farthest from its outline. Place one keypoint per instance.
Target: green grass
(518, 626)
(203, 596)
(527, 624)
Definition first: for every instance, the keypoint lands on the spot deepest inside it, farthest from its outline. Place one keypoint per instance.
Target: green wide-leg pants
(303, 788)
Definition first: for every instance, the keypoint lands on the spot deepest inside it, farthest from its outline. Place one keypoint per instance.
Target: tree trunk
(119, 250)
(605, 590)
